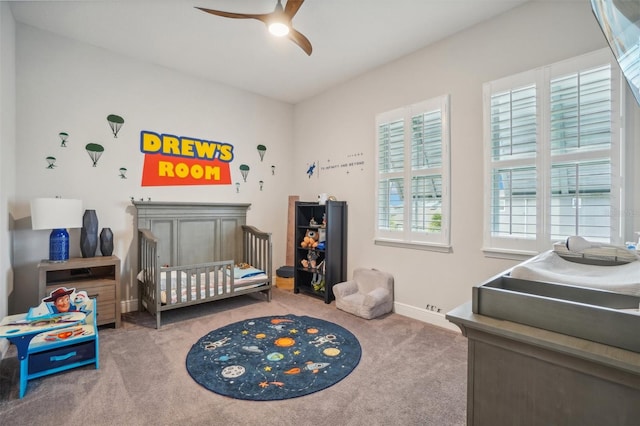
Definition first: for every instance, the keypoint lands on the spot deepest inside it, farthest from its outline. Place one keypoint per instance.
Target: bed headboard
(192, 233)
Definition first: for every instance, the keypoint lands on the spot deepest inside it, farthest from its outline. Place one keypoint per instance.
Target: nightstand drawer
(106, 312)
(105, 294)
(61, 356)
(103, 291)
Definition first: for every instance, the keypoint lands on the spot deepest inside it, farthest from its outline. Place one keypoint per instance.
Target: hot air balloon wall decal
(261, 151)
(123, 173)
(95, 152)
(244, 171)
(115, 122)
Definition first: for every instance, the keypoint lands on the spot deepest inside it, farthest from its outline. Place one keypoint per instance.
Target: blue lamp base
(59, 245)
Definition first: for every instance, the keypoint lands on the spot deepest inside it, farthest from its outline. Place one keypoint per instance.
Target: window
(412, 197)
(552, 151)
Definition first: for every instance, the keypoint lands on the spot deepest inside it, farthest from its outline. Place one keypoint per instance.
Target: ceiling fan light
(278, 29)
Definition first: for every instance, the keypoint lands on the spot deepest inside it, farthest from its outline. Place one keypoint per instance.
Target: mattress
(551, 267)
(198, 290)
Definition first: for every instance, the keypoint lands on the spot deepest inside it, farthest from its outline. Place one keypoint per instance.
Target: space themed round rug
(272, 358)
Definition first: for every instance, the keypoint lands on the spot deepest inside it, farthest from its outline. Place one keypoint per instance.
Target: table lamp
(57, 214)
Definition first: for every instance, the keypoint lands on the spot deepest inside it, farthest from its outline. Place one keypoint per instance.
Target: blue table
(41, 344)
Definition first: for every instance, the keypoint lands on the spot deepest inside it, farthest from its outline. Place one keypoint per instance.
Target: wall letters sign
(172, 160)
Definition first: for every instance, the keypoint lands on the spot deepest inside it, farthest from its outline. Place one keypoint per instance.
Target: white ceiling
(349, 37)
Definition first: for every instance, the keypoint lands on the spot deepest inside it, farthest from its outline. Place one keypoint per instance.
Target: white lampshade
(56, 213)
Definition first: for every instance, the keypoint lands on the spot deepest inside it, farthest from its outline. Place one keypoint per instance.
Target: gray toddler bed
(191, 253)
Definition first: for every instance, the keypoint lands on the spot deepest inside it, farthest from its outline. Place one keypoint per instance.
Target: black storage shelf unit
(331, 261)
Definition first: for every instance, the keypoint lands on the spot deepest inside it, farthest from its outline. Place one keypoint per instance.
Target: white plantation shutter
(513, 133)
(513, 123)
(552, 145)
(426, 140)
(514, 202)
(391, 155)
(581, 200)
(426, 171)
(391, 146)
(580, 141)
(413, 166)
(426, 198)
(581, 111)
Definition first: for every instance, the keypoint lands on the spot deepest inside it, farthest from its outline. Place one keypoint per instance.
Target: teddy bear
(310, 239)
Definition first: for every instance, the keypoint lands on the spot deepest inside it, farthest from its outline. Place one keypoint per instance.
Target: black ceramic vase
(106, 242)
(89, 234)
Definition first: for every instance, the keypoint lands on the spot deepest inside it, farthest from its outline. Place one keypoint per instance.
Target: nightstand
(99, 276)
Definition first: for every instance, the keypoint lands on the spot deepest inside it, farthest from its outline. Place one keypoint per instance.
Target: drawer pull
(63, 357)
(93, 296)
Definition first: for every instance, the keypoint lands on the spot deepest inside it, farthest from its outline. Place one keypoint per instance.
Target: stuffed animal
(310, 261)
(310, 239)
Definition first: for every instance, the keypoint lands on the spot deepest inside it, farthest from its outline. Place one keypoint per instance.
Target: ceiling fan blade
(292, 6)
(260, 17)
(301, 41)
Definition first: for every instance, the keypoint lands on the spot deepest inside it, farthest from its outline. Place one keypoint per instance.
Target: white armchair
(368, 294)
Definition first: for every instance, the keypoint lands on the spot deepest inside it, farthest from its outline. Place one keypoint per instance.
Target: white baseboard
(424, 315)
(128, 306)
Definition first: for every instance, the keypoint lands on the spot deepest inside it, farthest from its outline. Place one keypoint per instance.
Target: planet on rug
(272, 358)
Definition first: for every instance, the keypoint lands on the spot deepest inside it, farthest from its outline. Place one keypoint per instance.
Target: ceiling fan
(278, 21)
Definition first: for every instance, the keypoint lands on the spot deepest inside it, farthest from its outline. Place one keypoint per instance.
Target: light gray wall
(340, 125)
(7, 145)
(63, 85)
(66, 85)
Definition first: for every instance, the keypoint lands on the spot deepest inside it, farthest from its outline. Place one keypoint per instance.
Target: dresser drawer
(61, 356)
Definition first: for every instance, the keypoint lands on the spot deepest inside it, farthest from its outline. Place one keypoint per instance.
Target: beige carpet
(411, 373)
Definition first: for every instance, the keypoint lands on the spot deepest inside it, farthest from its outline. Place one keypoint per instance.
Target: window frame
(517, 248)
(434, 241)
